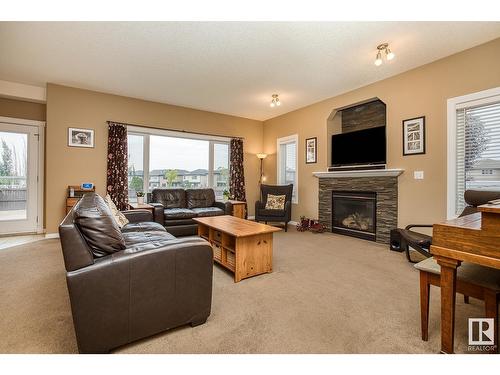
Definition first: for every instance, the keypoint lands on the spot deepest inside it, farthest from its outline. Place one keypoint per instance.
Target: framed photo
(80, 137)
(414, 136)
(311, 150)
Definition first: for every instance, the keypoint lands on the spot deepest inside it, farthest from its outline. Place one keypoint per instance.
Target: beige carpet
(327, 294)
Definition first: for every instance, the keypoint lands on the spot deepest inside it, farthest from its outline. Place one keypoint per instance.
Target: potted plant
(226, 194)
(140, 197)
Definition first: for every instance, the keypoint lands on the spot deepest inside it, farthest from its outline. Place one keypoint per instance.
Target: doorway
(21, 157)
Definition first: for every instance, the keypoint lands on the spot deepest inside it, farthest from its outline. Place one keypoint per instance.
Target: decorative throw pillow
(120, 218)
(275, 202)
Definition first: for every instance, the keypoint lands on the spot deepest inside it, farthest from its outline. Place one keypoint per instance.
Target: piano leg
(448, 296)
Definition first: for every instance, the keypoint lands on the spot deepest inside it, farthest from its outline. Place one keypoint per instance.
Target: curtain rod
(174, 130)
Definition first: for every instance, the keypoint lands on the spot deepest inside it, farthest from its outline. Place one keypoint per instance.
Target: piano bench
(473, 280)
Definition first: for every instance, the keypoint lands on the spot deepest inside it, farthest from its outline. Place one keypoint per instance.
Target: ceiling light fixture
(275, 101)
(389, 55)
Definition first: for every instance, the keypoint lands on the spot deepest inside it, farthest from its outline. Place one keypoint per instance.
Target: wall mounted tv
(362, 147)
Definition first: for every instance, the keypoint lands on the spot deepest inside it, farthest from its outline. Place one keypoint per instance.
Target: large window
(473, 145)
(165, 159)
(287, 163)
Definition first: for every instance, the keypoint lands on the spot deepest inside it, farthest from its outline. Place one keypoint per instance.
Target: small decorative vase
(140, 200)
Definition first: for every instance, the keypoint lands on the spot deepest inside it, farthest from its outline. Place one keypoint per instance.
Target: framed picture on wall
(80, 137)
(311, 150)
(414, 136)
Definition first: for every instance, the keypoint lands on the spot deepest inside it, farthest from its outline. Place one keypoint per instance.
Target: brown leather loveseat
(129, 283)
(176, 208)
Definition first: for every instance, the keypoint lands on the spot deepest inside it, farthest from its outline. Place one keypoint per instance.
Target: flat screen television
(362, 147)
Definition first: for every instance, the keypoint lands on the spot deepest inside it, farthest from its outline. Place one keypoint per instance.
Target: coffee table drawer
(217, 235)
(217, 251)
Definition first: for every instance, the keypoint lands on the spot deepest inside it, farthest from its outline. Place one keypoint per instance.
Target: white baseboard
(51, 235)
(251, 218)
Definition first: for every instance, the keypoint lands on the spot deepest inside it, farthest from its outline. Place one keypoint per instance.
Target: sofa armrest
(259, 205)
(138, 216)
(158, 213)
(288, 210)
(227, 207)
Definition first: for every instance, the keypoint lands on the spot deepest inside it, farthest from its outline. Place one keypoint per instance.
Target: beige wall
(21, 109)
(419, 92)
(70, 107)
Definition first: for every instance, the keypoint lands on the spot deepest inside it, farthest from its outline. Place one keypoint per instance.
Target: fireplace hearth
(354, 213)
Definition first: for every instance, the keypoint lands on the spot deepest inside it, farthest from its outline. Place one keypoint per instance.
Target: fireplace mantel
(395, 172)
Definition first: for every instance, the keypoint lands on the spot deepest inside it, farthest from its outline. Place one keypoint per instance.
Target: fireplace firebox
(354, 213)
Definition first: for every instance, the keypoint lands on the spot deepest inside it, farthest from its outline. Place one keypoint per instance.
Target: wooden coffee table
(242, 246)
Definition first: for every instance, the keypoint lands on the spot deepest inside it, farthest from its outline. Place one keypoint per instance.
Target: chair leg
(424, 305)
(286, 226)
(491, 311)
(466, 299)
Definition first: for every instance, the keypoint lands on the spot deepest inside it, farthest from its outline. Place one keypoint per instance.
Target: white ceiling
(226, 67)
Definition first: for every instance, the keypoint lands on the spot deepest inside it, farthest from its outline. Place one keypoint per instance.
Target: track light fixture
(275, 102)
(389, 55)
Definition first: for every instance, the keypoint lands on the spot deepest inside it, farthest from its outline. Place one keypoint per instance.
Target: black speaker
(395, 241)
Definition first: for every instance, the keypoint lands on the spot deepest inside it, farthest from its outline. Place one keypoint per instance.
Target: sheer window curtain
(117, 180)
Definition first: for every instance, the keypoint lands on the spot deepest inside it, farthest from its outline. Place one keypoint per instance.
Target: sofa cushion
(179, 213)
(98, 226)
(208, 211)
(266, 212)
(173, 222)
(139, 241)
(197, 198)
(170, 198)
(145, 226)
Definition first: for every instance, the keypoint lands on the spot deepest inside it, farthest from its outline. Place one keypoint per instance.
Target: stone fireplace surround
(383, 182)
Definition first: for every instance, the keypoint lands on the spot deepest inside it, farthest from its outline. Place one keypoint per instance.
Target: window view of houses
(178, 178)
(177, 163)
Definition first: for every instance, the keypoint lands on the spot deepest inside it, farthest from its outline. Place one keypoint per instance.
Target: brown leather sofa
(176, 208)
(129, 283)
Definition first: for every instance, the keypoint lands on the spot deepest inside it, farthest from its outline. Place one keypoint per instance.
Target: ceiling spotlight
(275, 101)
(388, 54)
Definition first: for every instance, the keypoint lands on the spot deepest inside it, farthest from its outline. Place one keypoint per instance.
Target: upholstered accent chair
(274, 215)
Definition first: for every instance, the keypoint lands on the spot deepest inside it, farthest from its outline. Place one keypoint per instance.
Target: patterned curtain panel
(236, 174)
(117, 182)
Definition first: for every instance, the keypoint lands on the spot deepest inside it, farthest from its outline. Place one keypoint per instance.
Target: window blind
(291, 155)
(288, 164)
(478, 148)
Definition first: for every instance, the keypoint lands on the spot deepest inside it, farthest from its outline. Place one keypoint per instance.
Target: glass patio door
(18, 178)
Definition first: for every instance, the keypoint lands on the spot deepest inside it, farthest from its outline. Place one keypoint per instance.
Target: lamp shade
(261, 156)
